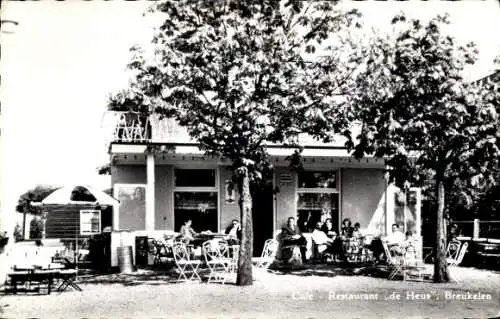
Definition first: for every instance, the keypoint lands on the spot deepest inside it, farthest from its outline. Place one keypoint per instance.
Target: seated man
(187, 233)
(233, 233)
(291, 236)
(322, 240)
(395, 241)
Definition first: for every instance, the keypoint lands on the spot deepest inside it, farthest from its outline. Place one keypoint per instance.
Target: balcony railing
(128, 127)
(132, 127)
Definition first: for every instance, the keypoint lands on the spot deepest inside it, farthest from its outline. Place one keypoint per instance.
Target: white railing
(132, 127)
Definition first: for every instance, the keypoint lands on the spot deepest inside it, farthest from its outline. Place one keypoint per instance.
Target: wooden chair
(162, 253)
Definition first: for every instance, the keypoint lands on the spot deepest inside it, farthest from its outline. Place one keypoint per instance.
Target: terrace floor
(315, 291)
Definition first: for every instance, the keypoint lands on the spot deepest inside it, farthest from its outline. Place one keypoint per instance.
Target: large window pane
(132, 207)
(200, 207)
(195, 178)
(318, 180)
(314, 207)
(405, 210)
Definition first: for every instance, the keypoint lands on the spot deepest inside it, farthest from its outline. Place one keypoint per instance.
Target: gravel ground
(312, 293)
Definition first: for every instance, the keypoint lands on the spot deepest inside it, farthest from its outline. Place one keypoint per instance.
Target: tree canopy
(419, 113)
(242, 74)
(36, 194)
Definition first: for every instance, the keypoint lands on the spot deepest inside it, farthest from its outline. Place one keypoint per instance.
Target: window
(196, 198)
(195, 178)
(318, 180)
(90, 222)
(132, 207)
(406, 211)
(200, 207)
(317, 199)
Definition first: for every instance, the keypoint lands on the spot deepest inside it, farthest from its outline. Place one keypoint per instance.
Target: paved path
(299, 295)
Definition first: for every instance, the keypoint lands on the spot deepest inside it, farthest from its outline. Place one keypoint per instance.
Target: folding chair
(162, 252)
(268, 253)
(354, 250)
(413, 266)
(394, 262)
(217, 259)
(184, 263)
(453, 264)
(67, 276)
(453, 252)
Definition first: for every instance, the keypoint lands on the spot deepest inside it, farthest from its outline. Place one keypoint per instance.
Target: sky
(64, 58)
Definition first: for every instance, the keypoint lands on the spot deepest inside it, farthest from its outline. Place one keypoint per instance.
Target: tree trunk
(245, 277)
(440, 267)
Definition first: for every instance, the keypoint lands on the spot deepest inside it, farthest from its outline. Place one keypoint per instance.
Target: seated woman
(233, 233)
(347, 230)
(327, 228)
(356, 233)
(187, 233)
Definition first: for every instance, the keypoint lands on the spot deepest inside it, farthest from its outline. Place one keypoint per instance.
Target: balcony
(138, 128)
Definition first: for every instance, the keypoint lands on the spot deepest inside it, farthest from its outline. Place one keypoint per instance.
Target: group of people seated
(327, 240)
(399, 244)
(323, 235)
(189, 236)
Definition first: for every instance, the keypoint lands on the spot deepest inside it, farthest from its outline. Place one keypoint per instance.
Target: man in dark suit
(291, 236)
(233, 233)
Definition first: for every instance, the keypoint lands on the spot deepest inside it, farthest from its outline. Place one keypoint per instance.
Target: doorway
(263, 214)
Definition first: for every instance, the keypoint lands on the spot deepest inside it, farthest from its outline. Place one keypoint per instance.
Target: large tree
(419, 112)
(242, 74)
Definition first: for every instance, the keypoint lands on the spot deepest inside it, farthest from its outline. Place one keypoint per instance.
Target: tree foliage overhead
(242, 74)
(239, 74)
(36, 194)
(422, 116)
(413, 96)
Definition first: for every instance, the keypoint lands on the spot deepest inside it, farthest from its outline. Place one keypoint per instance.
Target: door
(262, 212)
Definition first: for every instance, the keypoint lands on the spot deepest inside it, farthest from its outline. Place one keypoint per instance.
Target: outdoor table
(35, 273)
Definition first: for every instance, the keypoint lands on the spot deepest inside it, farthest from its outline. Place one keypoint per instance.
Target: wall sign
(285, 178)
(230, 196)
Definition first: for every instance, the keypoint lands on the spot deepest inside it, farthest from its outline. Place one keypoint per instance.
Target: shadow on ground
(331, 270)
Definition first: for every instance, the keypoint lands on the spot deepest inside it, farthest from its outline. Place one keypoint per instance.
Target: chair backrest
(180, 252)
(463, 250)
(453, 250)
(390, 259)
(215, 249)
(270, 248)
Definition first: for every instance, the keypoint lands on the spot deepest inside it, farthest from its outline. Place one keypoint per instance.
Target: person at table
(453, 233)
(233, 233)
(327, 228)
(325, 244)
(356, 233)
(409, 246)
(187, 233)
(347, 228)
(291, 236)
(395, 241)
